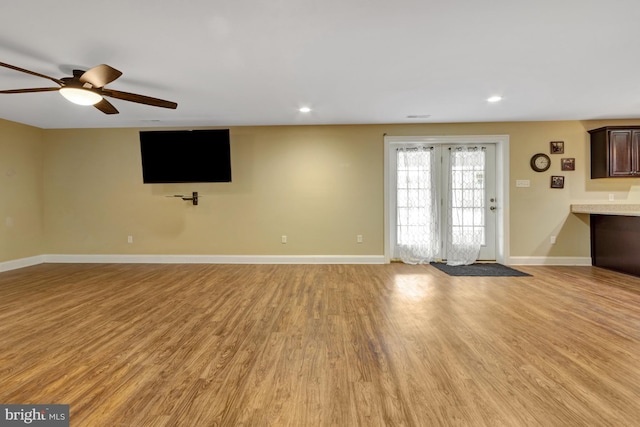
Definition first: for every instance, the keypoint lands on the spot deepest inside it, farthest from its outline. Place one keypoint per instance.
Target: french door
(446, 192)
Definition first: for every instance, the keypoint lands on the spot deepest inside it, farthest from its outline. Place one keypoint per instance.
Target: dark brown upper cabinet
(615, 152)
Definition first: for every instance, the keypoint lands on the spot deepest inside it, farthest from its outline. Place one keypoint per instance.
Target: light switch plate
(523, 183)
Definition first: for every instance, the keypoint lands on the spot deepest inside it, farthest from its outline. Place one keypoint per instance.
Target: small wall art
(557, 147)
(568, 164)
(557, 181)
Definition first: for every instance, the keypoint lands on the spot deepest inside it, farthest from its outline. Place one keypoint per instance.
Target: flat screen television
(185, 156)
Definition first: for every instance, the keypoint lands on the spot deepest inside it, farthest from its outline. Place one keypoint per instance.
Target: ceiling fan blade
(140, 99)
(106, 107)
(35, 89)
(100, 75)
(33, 73)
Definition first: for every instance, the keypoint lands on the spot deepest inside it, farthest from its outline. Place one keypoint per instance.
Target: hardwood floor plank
(321, 345)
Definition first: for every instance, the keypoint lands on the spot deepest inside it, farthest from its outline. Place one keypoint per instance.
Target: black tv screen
(185, 156)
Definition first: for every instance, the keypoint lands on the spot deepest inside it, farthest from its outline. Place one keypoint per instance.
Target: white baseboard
(21, 263)
(216, 259)
(564, 261)
(251, 259)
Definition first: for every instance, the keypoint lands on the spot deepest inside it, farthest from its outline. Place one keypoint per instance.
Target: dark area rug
(480, 269)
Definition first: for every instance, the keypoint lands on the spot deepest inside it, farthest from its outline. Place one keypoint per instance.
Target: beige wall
(319, 185)
(21, 230)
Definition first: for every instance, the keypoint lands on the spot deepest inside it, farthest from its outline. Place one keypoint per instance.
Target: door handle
(493, 208)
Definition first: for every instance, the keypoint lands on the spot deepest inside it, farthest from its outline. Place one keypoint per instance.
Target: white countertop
(624, 209)
(627, 206)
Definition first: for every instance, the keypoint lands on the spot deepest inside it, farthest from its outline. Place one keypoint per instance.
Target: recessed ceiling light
(418, 116)
(304, 109)
(495, 99)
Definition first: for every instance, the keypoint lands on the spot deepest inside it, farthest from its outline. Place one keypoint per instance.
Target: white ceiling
(255, 62)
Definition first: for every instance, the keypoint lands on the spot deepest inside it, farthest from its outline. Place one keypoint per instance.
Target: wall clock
(540, 162)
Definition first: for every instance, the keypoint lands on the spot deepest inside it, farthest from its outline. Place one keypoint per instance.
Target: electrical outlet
(129, 239)
(611, 197)
(283, 239)
(359, 238)
(552, 240)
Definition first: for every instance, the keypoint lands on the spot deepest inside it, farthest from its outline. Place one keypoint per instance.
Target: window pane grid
(467, 202)
(414, 205)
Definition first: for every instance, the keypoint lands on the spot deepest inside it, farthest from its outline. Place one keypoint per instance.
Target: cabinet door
(620, 153)
(635, 153)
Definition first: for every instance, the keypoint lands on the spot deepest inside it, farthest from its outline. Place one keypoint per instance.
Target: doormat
(480, 269)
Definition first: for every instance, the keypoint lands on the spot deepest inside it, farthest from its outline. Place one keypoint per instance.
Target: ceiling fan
(88, 88)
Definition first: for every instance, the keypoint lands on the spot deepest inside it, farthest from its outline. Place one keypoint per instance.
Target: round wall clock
(540, 162)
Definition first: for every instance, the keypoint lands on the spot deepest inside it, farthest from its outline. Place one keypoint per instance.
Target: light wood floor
(321, 345)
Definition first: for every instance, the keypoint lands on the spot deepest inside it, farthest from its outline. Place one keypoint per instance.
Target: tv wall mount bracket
(193, 198)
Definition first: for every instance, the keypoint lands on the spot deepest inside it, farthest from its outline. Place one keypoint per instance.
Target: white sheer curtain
(417, 231)
(465, 235)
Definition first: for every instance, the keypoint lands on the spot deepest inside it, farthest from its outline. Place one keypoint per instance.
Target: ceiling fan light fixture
(80, 96)
(87, 88)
